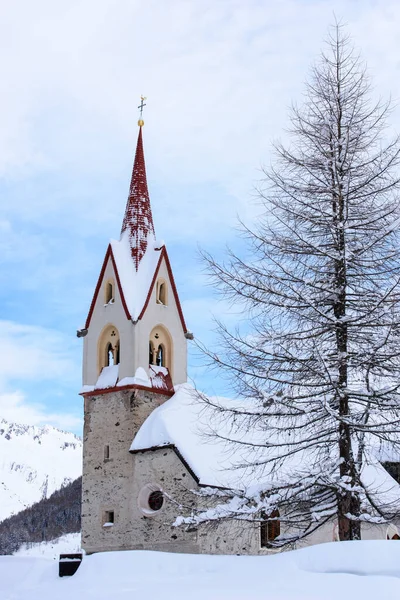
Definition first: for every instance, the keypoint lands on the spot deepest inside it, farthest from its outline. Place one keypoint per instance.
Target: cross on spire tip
(141, 107)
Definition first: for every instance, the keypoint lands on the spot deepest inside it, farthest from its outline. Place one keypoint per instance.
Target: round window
(150, 500)
(156, 500)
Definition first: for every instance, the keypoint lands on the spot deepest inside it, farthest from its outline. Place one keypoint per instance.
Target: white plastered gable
(103, 315)
(131, 292)
(160, 319)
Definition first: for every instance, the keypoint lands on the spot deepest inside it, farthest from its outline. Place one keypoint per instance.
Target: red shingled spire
(138, 220)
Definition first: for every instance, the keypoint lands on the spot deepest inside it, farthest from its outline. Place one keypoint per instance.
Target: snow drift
(345, 570)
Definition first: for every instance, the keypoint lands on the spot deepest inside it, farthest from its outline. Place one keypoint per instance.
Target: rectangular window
(270, 530)
(106, 452)
(108, 518)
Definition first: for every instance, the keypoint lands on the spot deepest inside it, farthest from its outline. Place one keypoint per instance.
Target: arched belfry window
(160, 348)
(109, 355)
(151, 353)
(108, 347)
(160, 360)
(109, 291)
(162, 292)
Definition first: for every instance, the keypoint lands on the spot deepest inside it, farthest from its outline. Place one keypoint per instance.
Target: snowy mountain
(34, 462)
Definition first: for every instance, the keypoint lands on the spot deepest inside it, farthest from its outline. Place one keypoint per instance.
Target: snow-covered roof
(384, 490)
(187, 423)
(135, 283)
(108, 377)
(159, 379)
(135, 253)
(178, 422)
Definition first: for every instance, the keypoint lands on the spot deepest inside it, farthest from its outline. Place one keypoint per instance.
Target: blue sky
(219, 77)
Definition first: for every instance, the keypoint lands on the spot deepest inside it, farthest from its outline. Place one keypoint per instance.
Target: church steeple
(135, 320)
(138, 219)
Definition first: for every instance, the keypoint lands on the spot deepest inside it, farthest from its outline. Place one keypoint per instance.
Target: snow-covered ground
(34, 462)
(71, 542)
(345, 570)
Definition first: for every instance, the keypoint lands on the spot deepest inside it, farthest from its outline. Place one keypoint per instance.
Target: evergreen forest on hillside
(44, 521)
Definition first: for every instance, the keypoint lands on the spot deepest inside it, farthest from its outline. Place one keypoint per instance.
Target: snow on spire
(138, 220)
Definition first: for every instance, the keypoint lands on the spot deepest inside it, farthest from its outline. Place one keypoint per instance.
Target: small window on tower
(161, 292)
(108, 518)
(106, 452)
(109, 292)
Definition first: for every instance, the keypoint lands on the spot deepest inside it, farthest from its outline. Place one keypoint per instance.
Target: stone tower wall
(111, 419)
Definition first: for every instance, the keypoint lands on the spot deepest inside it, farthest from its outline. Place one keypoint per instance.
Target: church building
(142, 454)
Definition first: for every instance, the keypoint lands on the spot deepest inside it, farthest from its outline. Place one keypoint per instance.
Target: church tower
(134, 353)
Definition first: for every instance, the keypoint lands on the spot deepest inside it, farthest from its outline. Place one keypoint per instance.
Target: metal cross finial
(142, 105)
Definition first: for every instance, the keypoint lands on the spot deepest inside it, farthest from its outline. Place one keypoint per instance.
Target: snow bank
(324, 572)
(66, 544)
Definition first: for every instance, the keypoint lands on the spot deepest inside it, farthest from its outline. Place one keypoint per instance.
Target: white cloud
(219, 77)
(15, 408)
(34, 355)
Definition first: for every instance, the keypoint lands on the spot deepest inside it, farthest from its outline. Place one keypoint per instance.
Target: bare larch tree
(320, 287)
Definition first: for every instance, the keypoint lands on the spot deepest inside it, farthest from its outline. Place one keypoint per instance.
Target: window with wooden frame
(270, 529)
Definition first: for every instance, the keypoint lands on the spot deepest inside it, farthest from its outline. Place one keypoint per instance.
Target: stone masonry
(113, 484)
